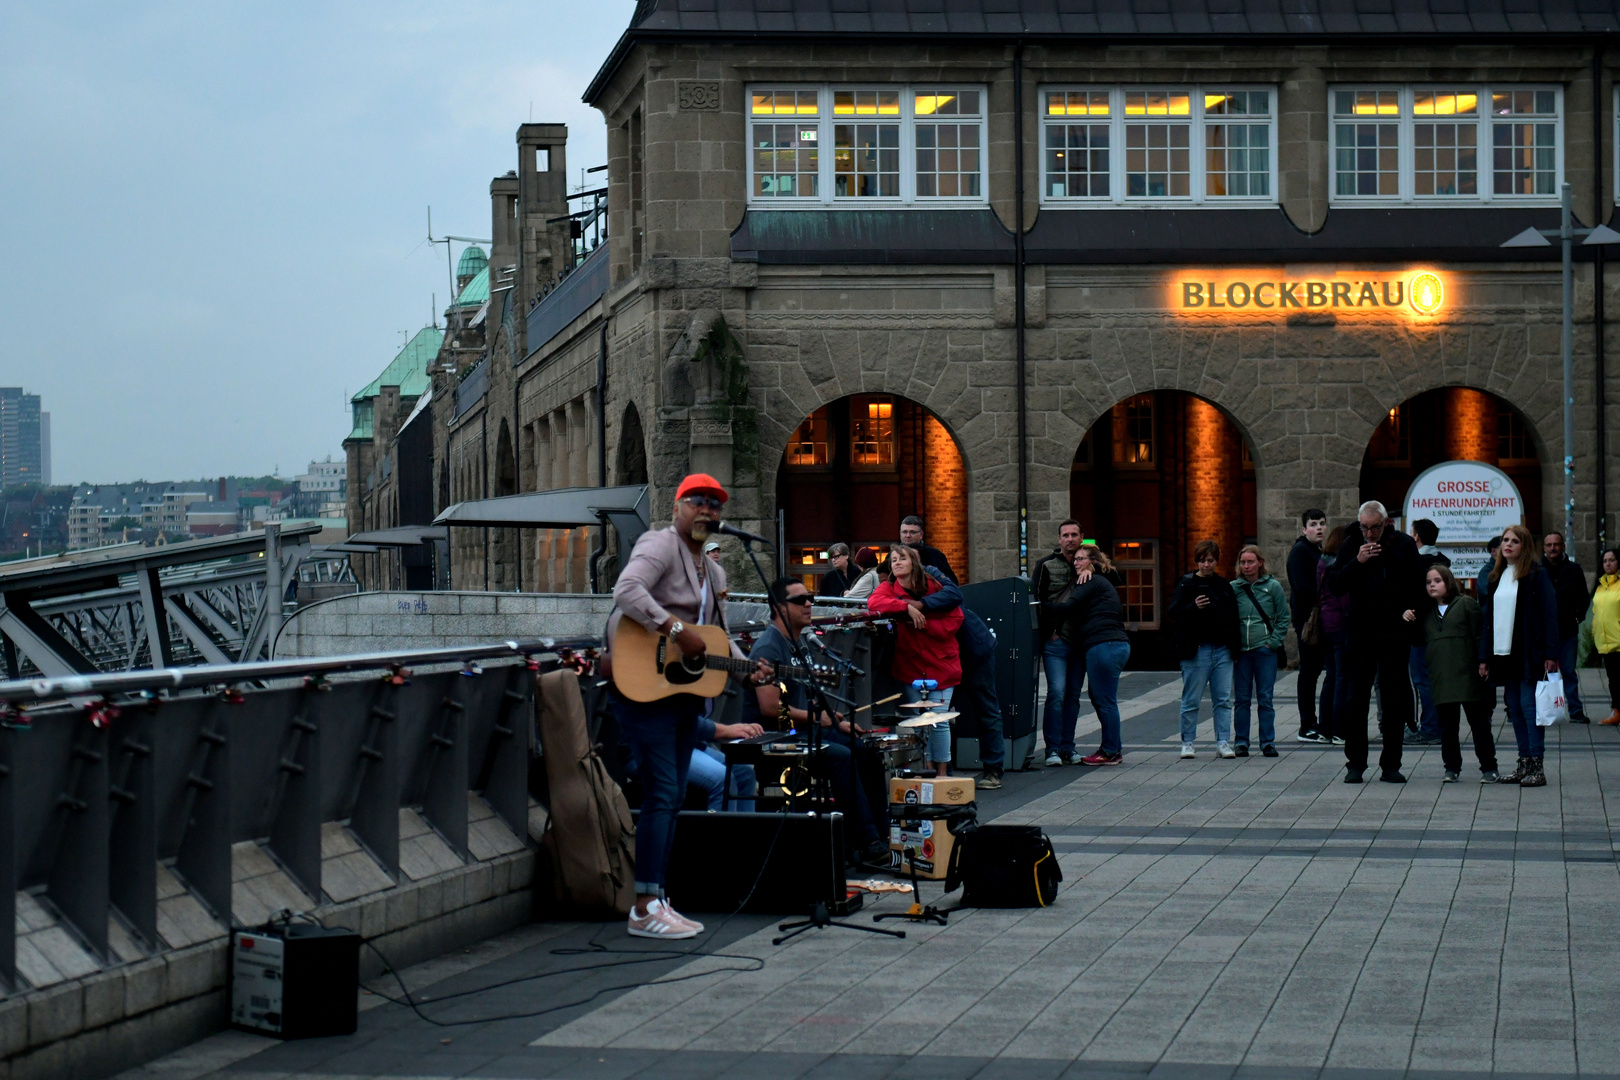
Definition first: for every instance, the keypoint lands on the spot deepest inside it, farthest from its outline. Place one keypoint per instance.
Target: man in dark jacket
(1426, 534)
(1315, 661)
(1378, 569)
(911, 535)
(1053, 575)
(1569, 583)
(976, 695)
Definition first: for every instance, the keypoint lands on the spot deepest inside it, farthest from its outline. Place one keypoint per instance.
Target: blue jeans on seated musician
(662, 736)
(939, 736)
(707, 772)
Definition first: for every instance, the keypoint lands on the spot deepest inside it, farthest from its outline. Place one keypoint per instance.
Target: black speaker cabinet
(718, 858)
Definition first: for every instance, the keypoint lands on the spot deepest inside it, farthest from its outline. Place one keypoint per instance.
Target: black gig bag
(1004, 866)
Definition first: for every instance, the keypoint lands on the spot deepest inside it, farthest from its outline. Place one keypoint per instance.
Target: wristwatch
(677, 628)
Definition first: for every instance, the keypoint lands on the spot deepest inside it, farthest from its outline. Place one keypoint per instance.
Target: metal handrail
(179, 678)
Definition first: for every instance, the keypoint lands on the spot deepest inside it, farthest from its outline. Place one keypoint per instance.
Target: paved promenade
(1244, 918)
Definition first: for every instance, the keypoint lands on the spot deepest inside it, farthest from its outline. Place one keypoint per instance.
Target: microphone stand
(820, 788)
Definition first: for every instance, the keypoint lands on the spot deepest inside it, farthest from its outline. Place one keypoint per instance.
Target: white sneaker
(1186, 749)
(661, 921)
(1053, 760)
(1224, 749)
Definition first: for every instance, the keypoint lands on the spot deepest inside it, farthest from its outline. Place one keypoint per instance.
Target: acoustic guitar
(648, 666)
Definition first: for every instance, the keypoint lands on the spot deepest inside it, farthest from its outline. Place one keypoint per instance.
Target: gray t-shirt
(771, 646)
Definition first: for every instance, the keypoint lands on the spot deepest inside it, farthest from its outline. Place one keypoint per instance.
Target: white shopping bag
(1550, 704)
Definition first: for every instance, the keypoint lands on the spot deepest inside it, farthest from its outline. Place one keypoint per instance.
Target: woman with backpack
(1448, 628)
(1262, 626)
(1518, 643)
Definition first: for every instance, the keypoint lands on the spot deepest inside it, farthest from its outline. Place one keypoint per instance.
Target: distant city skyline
(225, 207)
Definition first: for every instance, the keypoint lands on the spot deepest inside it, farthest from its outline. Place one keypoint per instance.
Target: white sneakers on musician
(662, 921)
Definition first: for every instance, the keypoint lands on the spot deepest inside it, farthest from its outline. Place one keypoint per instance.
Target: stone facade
(718, 346)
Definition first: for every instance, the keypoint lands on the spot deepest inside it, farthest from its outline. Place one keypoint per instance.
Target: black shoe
(875, 854)
(1411, 726)
(1423, 740)
(1451, 777)
(1240, 750)
(1352, 775)
(990, 779)
(1580, 720)
(1268, 750)
(1391, 776)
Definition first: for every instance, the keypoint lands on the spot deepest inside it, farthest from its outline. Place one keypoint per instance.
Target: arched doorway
(632, 464)
(856, 466)
(1451, 423)
(1157, 473)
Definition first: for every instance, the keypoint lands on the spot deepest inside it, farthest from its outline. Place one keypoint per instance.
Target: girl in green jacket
(1449, 627)
(1262, 625)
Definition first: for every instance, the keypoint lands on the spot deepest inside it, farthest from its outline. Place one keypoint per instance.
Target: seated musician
(769, 707)
(667, 586)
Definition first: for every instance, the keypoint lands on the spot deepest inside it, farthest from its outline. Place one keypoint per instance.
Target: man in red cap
(668, 585)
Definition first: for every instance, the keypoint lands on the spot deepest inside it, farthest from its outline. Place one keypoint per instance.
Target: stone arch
(505, 463)
(631, 467)
(859, 464)
(1454, 422)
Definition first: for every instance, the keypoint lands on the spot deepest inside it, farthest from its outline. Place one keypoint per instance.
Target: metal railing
(105, 778)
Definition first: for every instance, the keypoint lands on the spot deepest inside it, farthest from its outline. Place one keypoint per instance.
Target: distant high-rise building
(45, 448)
(19, 437)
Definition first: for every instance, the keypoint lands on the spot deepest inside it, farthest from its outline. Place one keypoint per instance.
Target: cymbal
(925, 706)
(929, 719)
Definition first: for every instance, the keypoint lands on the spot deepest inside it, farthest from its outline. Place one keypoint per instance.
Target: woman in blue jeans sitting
(1518, 643)
(1262, 622)
(1099, 646)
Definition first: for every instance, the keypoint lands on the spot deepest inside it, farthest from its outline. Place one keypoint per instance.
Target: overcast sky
(215, 213)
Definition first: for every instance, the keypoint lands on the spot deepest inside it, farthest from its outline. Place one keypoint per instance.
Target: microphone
(728, 529)
(815, 639)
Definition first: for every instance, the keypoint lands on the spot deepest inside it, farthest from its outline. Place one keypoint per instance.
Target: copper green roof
(476, 292)
(408, 371)
(472, 260)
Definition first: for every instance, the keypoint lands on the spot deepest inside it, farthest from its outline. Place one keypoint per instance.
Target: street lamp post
(1565, 234)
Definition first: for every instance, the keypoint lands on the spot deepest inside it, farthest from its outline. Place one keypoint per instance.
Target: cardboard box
(929, 838)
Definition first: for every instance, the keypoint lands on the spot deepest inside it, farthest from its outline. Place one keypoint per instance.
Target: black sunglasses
(805, 599)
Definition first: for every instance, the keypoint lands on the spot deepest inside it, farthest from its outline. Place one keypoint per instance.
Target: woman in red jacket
(925, 645)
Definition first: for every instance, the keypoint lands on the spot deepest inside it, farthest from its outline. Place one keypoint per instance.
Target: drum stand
(918, 911)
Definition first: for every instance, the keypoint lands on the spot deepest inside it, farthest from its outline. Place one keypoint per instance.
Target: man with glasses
(1377, 568)
(854, 775)
(911, 535)
(667, 584)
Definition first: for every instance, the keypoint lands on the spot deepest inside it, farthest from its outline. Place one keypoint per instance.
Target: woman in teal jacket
(1263, 623)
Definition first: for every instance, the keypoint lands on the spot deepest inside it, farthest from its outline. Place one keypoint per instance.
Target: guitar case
(589, 838)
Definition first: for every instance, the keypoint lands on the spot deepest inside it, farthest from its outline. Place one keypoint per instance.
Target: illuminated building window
(1513, 442)
(890, 144)
(1137, 562)
(1396, 144)
(808, 447)
(1134, 441)
(871, 432)
(1184, 144)
(808, 562)
(1391, 444)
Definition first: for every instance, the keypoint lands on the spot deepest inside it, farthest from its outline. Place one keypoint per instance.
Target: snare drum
(897, 748)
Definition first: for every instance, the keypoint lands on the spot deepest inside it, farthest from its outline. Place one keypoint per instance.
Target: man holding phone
(1378, 569)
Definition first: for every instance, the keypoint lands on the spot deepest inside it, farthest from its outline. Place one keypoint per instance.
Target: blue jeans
(979, 685)
(1520, 697)
(707, 772)
(1103, 663)
(1344, 680)
(662, 736)
(1062, 701)
(939, 736)
(1212, 667)
(1255, 673)
(1428, 717)
(1567, 655)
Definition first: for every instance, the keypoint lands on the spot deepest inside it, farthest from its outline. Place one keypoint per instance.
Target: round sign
(1470, 501)
(1428, 293)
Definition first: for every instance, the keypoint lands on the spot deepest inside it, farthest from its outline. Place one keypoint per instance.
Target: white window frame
(1406, 148)
(826, 122)
(1198, 122)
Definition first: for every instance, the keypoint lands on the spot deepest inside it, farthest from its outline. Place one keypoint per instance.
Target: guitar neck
(745, 667)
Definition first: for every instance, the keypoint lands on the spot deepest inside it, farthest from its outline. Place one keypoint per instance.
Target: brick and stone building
(1179, 273)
